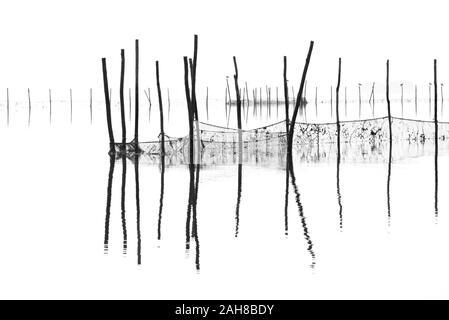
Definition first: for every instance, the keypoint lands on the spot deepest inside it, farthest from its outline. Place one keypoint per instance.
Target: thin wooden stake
(161, 111)
(108, 107)
(122, 98)
(136, 93)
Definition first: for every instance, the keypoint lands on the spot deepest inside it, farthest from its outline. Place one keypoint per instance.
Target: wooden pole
(90, 104)
(435, 119)
(337, 111)
(402, 100)
(239, 111)
(29, 107)
(71, 107)
(136, 93)
(130, 103)
(360, 101)
(277, 103)
(442, 99)
(161, 111)
(108, 107)
(190, 113)
(331, 103)
(7, 105)
(346, 104)
(207, 103)
(316, 102)
(298, 100)
(122, 99)
(416, 100)
(168, 111)
(389, 107)
(49, 98)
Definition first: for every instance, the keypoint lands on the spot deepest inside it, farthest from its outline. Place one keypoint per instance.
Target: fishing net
(216, 144)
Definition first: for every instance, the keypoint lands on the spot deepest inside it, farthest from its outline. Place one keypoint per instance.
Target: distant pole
(331, 103)
(130, 103)
(90, 105)
(442, 99)
(402, 100)
(277, 103)
(49, 98)
(161, 111)
(169, 104)
(29, 108)
(316, 101)
(207, 103)
(230, 102)
(108, 106)
(416, 100)
(360, 101)
(122, 98)
(136, 107)
(226, 103)
(149, 104)
(247, 95)
(71, 107)
(7, 105)
(430, 99)
(346, 104)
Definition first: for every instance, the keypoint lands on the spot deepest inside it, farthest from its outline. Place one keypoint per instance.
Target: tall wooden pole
(108, 106)
(136, 107)
(122, 98)
(161, 111)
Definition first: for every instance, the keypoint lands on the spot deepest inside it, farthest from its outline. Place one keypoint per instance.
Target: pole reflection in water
(301, 214)
(122, 203)
(139, 239)
(340, 212)
(239, 196)
(108, 202)
(389, 182)
(161, 198)
(195, 220)
(287, 178)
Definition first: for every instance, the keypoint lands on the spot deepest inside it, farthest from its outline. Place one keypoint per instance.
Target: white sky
(59, 44)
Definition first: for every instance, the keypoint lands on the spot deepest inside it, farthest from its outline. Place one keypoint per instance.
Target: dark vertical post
(390, 140)
(337, 112)
(136, 112)
(298, 100)
(161, 111)
(435, 120)
(122, 98)
(239, 106)
(190, 113)
(108, 106)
